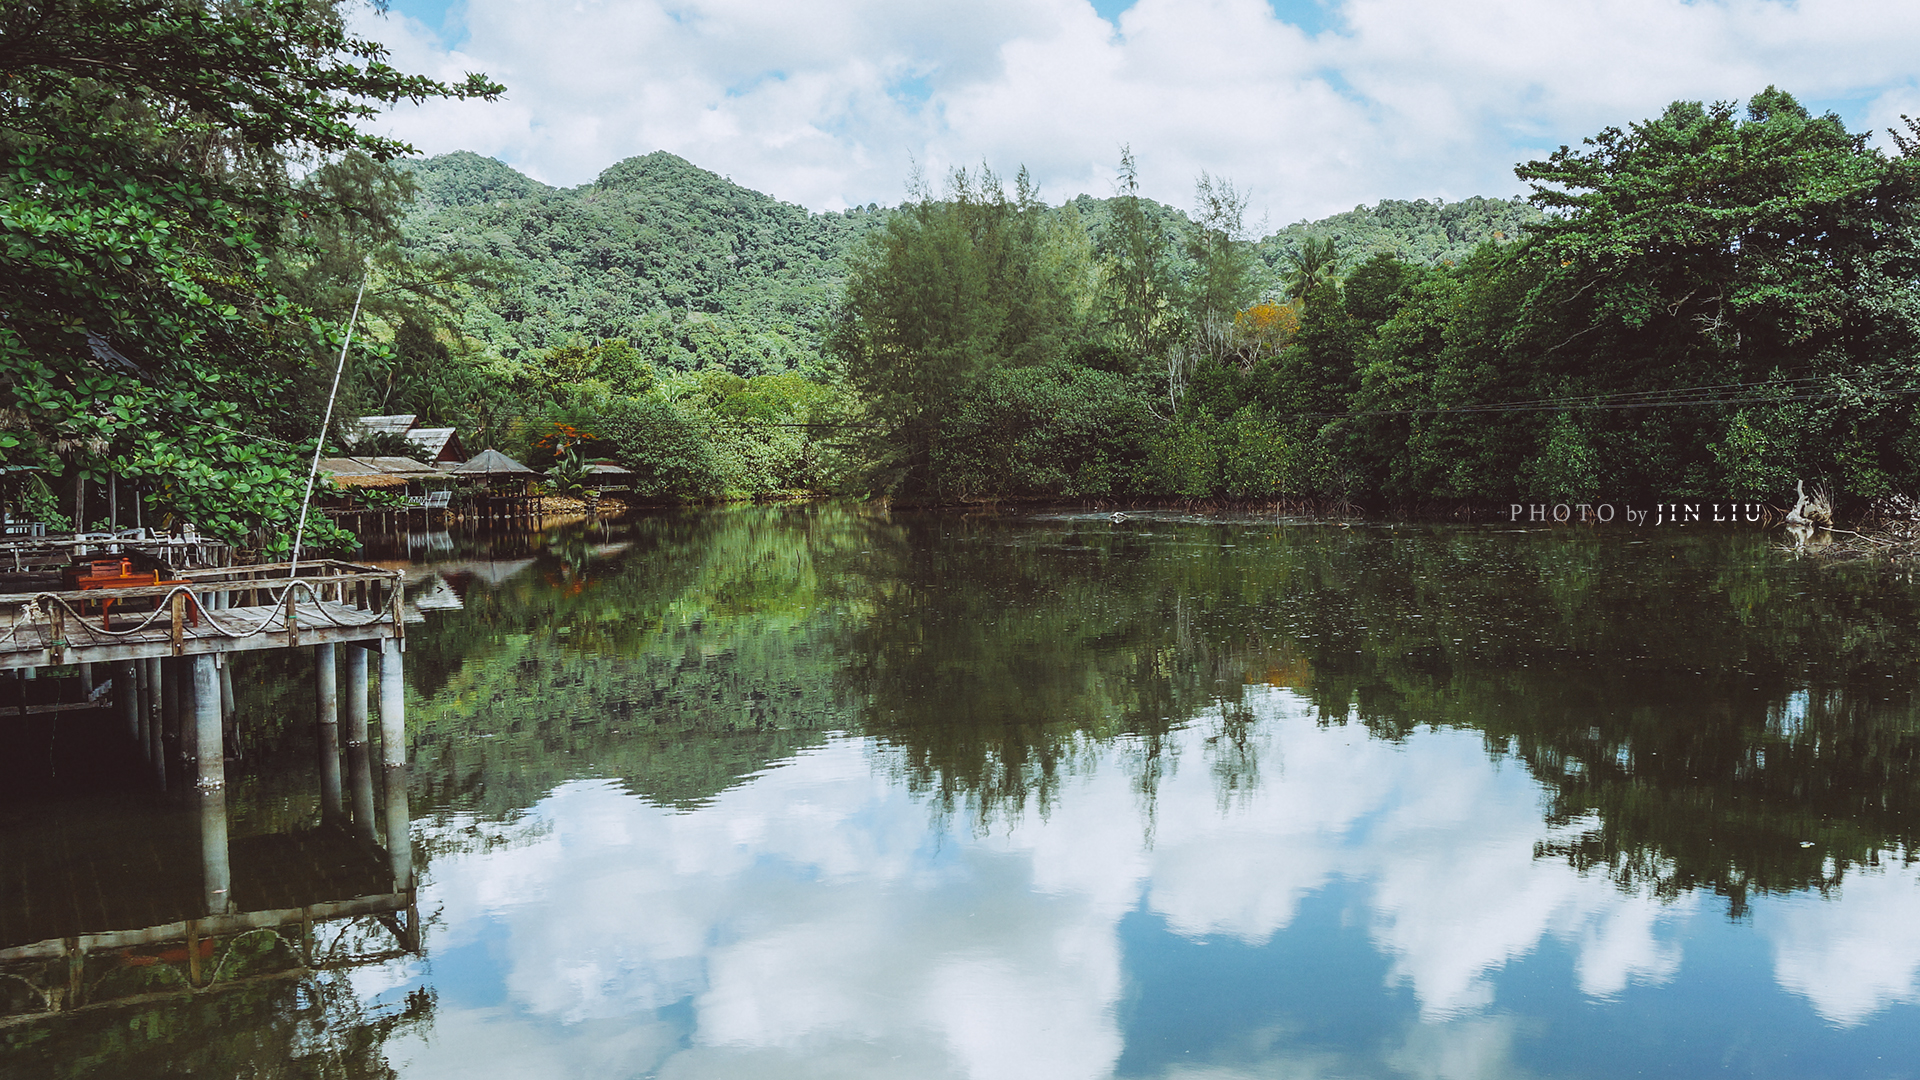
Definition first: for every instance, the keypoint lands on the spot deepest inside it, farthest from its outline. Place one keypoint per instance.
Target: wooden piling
(222, 601)
(153, 719)
(327, 718)
(393, 705)
(209, 738)
(126, 697)
(359, 754)
(172, 735)
(393, 759)
(216, 866)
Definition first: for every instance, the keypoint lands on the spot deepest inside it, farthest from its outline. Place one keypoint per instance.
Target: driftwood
(1810, 510)
(1890, 532)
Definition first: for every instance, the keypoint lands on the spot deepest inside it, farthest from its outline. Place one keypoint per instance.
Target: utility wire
(1774, 391)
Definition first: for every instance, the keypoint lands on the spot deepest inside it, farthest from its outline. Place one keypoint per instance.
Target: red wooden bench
(119, 574)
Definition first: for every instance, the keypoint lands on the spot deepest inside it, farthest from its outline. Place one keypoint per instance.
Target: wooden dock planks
(226, 630)
(192, 619)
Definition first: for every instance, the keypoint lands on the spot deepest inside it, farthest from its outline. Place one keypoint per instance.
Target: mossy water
(818, 791)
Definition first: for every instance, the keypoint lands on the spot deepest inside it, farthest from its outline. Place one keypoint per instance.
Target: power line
(1773, 391)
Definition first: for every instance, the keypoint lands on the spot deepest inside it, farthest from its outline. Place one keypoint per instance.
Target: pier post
(393, 705)
(126, 698)
(216, 865)
(170, 732)
(211, 784)
(221, 601)
(327, 721)
(209, 744)
(393, 758)
(359, 754)
(150, 686)
(152, 720)
(399, 828)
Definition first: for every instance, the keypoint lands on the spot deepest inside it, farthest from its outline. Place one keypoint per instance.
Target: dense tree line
(167, 288)
(711, 339)
(1714, 303)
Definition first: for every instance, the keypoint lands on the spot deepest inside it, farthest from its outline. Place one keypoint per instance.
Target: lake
(821, 791)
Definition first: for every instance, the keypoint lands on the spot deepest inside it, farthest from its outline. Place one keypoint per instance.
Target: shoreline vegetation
(1723, 300)
(1886, 532)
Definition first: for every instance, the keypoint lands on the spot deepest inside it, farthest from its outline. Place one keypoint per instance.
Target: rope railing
(37, 608)
(275, 612)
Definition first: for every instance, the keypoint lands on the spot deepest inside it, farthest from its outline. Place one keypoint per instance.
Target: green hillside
(689, 267)
(464, 178)
(695, 270)
(1418, 231)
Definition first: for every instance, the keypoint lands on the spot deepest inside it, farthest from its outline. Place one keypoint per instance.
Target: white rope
(275, 612)
(293, 568)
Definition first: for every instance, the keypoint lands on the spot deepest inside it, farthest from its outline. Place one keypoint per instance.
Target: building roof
(400, 466)
(397, 424)
(375, 472)
(491, 463)
(436, 444)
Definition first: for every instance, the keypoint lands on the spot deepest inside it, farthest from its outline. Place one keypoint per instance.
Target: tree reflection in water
(1726, 719)
(1702, 714)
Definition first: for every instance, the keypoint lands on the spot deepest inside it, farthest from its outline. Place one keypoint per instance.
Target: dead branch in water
(1890, 532)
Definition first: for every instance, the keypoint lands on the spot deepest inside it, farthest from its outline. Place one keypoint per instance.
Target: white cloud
(811, 922)
(1853, 957)
(826, 103)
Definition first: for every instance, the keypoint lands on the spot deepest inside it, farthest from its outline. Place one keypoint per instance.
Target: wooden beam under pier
(213, 925)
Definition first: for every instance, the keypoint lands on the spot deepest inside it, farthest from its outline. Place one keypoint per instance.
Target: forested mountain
(464, 178)
(1418, 231)
(694, 270)
(691, 269)
(1628, 330)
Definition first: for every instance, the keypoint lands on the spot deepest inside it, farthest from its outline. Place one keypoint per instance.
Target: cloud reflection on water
(821, 920)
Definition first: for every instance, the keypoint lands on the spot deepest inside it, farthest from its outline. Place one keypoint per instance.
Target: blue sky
(1311, 106)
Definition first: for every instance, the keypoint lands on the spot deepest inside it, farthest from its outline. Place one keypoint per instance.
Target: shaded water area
(815, 791)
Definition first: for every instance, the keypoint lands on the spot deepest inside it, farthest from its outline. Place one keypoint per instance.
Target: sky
(1310, 107)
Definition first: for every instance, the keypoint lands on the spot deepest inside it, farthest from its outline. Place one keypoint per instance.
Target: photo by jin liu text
(1663, 513)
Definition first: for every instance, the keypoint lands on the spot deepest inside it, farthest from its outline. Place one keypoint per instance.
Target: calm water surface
(821, 793)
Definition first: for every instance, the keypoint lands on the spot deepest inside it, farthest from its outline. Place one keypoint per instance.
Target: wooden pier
(211, 611)
(162, 670)
(165, 664)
